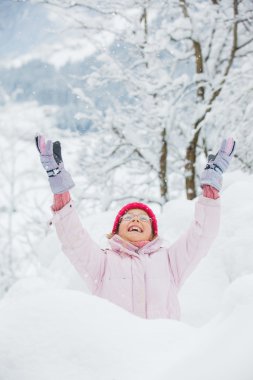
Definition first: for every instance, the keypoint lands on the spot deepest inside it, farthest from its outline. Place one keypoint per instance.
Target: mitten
(217, 164)
(51, 158)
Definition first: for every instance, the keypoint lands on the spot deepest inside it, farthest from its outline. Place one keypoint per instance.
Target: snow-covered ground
(51, 328)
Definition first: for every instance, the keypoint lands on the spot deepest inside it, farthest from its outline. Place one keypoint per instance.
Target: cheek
(121, 229)
(151, 235)
(148, 232)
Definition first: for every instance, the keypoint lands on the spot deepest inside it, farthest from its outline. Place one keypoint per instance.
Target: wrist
(210, 192)
(60, 200)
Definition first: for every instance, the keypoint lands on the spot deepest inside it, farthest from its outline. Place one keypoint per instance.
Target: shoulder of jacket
(164, 243)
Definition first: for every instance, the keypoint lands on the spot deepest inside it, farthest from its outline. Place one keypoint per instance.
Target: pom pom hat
(131, 206)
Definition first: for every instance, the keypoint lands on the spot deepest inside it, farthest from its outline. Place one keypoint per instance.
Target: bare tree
(225, 29)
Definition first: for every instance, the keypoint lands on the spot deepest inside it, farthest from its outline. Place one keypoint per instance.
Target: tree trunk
(191, 150)
(163, 167)
(191, 155)
(144, 20)
(190, 163)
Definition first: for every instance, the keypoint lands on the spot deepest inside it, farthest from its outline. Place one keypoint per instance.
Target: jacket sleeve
(194, 244)
(82, 251)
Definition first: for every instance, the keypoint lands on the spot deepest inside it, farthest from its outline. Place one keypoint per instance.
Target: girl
(138, 272)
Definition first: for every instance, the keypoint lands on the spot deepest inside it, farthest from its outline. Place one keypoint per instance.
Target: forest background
(138, 92)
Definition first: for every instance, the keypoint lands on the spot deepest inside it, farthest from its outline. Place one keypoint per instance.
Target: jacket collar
(122, 246)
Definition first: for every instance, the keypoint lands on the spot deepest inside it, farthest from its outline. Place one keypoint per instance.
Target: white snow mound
(66, 334)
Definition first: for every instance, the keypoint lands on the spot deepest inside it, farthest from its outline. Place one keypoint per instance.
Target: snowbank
(66, 334)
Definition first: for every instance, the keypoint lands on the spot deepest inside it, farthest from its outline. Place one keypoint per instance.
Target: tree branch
(245, 44)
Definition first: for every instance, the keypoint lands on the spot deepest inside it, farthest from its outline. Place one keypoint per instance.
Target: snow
(52, 328)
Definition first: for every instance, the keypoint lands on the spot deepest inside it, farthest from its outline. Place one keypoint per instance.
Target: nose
(135, 217)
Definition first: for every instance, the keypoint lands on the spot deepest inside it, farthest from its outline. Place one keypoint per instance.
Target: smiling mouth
(135, 229)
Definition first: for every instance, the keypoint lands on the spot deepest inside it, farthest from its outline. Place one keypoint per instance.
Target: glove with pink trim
(217, 164)
(50, 156)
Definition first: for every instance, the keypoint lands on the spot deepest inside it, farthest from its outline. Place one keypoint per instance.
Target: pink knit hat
(131, 206)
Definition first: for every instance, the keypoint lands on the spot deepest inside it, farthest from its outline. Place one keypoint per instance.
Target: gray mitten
(217, 164)
(50, 156)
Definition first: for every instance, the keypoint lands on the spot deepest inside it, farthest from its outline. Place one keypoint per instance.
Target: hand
(217, 164)
(51, 159)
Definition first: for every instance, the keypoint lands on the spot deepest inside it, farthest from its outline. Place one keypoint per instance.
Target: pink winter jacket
(144, 281)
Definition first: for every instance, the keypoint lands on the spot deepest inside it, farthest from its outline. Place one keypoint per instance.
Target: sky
(31, 30)
(23, 26)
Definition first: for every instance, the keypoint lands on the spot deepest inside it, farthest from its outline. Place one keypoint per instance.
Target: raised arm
(194, 244)
(82, 251)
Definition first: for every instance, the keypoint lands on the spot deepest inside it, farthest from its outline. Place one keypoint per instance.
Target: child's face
(135, 229)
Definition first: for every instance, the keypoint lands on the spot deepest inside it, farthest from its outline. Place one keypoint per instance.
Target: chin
(136, 238)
